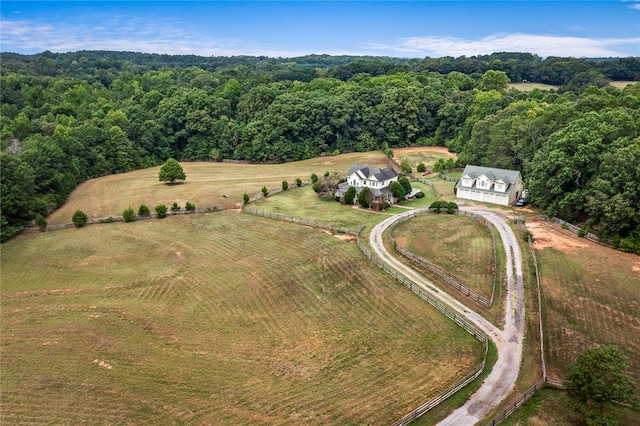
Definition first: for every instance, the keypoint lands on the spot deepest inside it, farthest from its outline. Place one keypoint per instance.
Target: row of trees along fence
(110, 219)
(455, 282)
(272, 191)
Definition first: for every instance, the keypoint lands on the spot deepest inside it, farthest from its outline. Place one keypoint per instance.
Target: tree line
(65, 118)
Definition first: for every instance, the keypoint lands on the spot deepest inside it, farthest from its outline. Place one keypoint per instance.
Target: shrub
(365, 197)
(335, 152)
(79, 218)
(107, 220)
(190, 207)
(245, 198)
(143, 210)
(285, 185)
(326, 174)
(422, 167)
(128, 215)
(317, 186)
(350, 195)
(171, 171)
(406, 167)
(337, 198)
(161, 211)
(451, 207)
(420, 194)
(298, 182)
(314, 177)
(41, 222)
(526, 235)
(175, 207)
(265, 191)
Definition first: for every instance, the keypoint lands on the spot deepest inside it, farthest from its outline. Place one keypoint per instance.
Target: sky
(414, 29)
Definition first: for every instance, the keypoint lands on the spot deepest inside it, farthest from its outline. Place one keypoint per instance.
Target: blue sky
(294, 28)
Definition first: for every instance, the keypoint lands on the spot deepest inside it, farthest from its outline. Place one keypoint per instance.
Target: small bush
(190, 207)
(337, 198)
(421, 167)
(107, 220)
(420, 194)
(175, 207)
(298, 182)
(335, 152)
(161, 211)
(314, 177)
(526, 235)
(326, 174)
(265, 191)
(245, 198)
(41, 222)
(285, 185)
(128, 215)
(451, 207)
(79, 218)
(317, 186)
(143, 210)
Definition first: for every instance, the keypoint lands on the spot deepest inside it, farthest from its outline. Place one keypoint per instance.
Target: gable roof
(506, 176)
(369, 172)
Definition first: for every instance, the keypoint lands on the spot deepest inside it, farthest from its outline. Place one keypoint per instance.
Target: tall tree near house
(171, 172)
(406, 184)
(365, 198)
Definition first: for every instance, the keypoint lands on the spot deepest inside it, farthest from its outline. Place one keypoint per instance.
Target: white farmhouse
(490, 185)
(376, 179)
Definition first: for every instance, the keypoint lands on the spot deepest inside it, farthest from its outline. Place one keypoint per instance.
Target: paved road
(508, 340)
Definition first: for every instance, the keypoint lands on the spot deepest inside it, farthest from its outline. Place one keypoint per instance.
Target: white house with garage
(490, 185)
(376, 179)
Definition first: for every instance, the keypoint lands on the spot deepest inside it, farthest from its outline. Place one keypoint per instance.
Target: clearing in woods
(215, 319)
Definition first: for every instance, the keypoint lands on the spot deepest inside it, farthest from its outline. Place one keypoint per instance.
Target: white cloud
(543, 45)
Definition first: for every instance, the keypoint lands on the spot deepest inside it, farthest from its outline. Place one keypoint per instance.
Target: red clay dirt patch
(547, 234)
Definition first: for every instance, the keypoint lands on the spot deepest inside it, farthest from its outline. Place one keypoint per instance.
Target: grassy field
(426, 155)
(622, 84)
(458, 244)
(205, 185)
(590, 296)
(214, 319)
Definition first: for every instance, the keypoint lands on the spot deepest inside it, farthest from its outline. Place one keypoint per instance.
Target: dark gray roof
(370, 171)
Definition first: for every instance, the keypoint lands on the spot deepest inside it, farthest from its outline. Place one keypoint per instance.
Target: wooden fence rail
(308, 222)
(451, 314)
(514, 406)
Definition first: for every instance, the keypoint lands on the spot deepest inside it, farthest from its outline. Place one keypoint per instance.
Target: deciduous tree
(599, 377)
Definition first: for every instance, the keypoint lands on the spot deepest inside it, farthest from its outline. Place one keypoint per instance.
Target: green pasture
(214, 319)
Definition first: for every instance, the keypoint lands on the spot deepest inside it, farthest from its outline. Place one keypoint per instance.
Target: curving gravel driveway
(508, 340)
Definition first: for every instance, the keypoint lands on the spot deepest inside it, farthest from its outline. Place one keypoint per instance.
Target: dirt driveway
(508, 340)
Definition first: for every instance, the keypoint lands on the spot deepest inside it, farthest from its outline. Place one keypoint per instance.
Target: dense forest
(65, 118)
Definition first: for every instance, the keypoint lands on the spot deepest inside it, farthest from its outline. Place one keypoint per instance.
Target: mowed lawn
(220, 318)
(207, 184)
(458, 244)
(591, 296)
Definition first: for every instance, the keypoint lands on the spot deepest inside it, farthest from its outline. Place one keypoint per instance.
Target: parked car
(521, 202)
